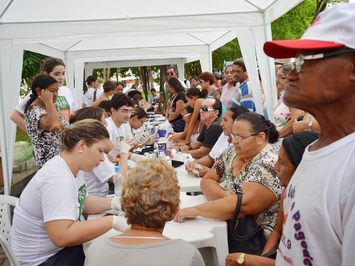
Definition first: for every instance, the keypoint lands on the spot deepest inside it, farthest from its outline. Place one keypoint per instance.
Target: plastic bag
(23, 157)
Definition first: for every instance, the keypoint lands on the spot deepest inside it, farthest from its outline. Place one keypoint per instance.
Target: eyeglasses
(141, 119)
(299, 63)
(280, 77)
(170, 73)
(242, 138)
(127, 111)
(206, 109)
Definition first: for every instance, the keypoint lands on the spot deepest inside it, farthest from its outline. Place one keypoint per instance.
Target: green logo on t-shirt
(81, 199)
(62, 103)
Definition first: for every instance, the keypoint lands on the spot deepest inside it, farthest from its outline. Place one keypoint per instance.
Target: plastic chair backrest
(5, 226)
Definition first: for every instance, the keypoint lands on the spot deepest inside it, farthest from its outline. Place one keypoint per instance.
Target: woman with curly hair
(150, 198)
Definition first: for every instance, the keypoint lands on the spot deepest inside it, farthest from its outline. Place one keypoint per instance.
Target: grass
(22, 135)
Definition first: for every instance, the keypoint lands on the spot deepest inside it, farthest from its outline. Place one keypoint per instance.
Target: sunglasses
(206, 108)
(186, 115)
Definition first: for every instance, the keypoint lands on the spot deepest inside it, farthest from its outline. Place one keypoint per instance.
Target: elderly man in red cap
(319, 203)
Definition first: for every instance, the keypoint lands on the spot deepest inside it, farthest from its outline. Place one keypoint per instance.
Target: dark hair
(153, 90)
(49, 64)
(136, 98)
(207, 76)
(217, 106)
(119, 83)
(259, 124)
(88, 81)
(109, 86)
(120, 99)
(296, 143)
(196, 92)
(86, 112)
(195, 78)
(138, 111)
(240, 62)
(175, 83)
(227, 67)
(88, 130)
(237, 111)
(217, 75)
(172, 66)
(42, 82)
(105, 105)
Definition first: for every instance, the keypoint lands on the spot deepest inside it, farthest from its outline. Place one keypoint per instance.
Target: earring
(80, 151)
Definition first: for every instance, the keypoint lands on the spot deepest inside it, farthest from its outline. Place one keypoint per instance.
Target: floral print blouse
(45, 143)
(282, 114)
(261, 170)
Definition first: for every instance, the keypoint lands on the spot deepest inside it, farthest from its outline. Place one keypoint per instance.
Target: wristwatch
(240, 259)
(310, 125)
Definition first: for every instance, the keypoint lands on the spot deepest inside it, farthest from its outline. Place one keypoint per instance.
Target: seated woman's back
(150, 198)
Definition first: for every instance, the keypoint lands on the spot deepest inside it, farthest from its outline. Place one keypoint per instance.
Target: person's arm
(197, 150)
(51, 121)
(304, 125)
(18, 119)
(67, 233)
(94, 205)
(210, 187)
(249, 260)
(194, 118)
(97, 102)
(287, 129)
(177, 112)
(272, 241)
(256, 197)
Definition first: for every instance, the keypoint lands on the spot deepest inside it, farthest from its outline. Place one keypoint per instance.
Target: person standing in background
(66, 103)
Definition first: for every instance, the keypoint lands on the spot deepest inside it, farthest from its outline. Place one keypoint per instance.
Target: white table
(187, 182)
(209, 236)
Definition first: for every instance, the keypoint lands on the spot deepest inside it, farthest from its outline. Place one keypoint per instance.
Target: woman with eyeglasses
(284, 115)
(290, 155)
(249, 164)
(173, 108)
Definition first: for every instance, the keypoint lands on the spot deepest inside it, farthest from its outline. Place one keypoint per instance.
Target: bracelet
(189, 145)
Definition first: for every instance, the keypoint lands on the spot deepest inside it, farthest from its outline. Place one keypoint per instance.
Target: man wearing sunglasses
(172, 72)
(210, 113)
(319, 200)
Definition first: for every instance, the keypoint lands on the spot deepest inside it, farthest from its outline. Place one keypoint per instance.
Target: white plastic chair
(5, 226)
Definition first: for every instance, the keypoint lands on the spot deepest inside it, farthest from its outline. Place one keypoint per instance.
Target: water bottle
(118, 180)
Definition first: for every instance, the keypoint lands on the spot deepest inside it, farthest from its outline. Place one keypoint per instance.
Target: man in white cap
(319, 202)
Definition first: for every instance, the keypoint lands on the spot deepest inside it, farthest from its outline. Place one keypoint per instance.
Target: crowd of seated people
(217, 124)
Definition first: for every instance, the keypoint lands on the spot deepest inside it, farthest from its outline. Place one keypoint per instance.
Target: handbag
(245, 234)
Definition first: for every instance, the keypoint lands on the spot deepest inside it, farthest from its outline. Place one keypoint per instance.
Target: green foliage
(294, 23)
(31, 68)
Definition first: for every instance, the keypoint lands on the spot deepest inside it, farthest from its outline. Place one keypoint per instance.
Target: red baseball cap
(333, 28)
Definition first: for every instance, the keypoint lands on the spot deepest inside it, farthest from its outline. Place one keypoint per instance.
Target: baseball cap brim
(288, 48)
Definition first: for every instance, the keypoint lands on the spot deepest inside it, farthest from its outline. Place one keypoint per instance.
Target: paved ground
(3, 258)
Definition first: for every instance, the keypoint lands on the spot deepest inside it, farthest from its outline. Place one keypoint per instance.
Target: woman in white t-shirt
(229, 90)
(90, 93)
(66, 103)
(47, 227)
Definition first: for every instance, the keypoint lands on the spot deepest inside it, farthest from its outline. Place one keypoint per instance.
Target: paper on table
(177, 223)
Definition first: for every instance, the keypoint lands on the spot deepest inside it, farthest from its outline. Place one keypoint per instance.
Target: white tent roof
(122, 31)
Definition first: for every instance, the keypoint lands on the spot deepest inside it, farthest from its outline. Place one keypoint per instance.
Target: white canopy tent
(121, 31)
